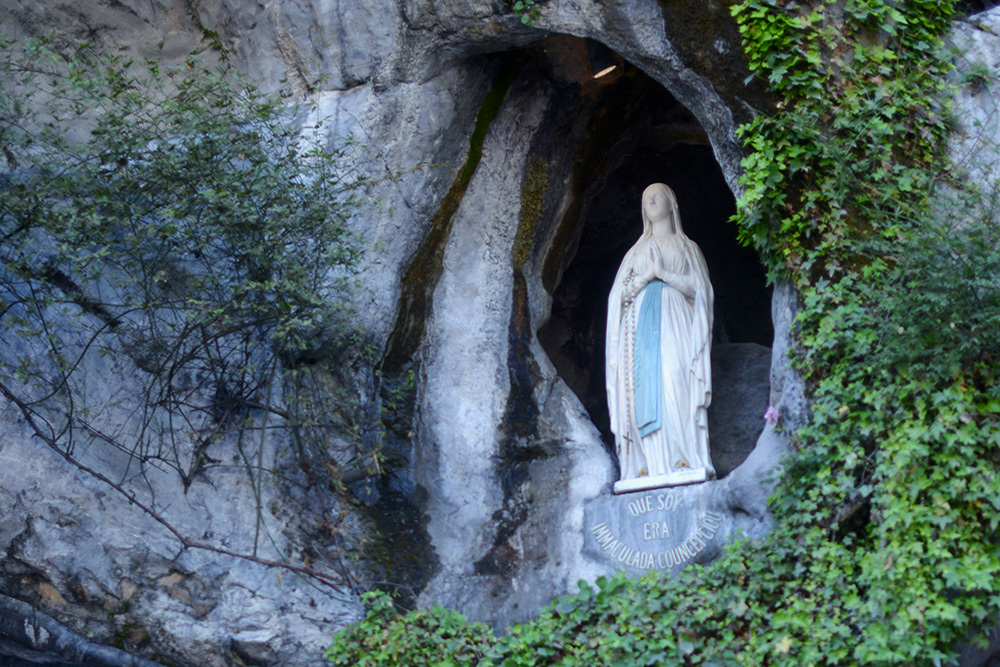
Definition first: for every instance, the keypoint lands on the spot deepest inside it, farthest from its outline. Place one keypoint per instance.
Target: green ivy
(891, 492)
(884, 549)
(433, 637)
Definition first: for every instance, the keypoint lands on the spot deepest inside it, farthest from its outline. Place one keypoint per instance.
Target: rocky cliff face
(505, 183)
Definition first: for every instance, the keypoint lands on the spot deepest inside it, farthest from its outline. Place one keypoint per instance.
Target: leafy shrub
(177, 218)
(433, 637)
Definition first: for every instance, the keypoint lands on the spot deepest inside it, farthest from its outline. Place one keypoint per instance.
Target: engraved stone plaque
(663, 529)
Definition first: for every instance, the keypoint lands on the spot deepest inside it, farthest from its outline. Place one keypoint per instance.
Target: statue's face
(656, 204)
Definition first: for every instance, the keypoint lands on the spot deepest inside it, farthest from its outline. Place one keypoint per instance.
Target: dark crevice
(602, 146)
(967, 7)
(399, 553)
(518, 443)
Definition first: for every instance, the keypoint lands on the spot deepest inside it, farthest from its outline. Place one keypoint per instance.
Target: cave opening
(657, 139)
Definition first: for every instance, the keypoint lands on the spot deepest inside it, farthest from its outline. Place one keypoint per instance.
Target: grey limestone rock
(977, 63)
(974, 148)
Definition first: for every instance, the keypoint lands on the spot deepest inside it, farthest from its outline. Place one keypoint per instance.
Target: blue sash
(647, 361)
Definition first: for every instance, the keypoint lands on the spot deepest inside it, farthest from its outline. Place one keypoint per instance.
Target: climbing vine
(884, 549)
(850, 194)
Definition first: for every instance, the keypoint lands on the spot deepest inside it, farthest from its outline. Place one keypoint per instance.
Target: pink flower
(772, 415)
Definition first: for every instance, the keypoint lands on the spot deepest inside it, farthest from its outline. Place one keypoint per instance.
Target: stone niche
(517, 477)
(660, 141)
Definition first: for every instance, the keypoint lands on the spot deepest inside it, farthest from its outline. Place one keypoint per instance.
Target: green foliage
(652, 621)
(526, 10)
(891, 493)
(904, 434)
(884, 549)
(425, 638)
(853, 148)
(175, 217)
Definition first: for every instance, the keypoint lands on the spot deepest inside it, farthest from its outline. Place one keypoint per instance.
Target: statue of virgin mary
(659, 340)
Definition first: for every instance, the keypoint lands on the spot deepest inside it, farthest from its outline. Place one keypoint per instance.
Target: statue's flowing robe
(669, 391)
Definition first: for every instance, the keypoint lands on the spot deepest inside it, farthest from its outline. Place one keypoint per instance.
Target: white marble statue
(659, 340)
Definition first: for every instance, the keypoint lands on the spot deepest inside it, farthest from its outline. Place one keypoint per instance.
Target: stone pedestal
(677, 478)
(664, 529)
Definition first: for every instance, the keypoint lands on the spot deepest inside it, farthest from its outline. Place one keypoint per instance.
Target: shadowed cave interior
(661, 141)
